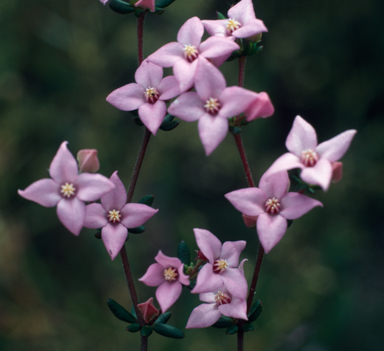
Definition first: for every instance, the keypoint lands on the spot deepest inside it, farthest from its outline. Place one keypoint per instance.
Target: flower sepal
(121, 7)
(169, 123)
(220, 16)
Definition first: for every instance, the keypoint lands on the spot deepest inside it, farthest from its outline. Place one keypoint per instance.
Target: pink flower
(114, 216)
(261, 106)
(273, 205)
(104, 2)
(148, 310)
(222, 267)
(168, 275)
(219, 302)
(146, 4)
(88, 161)
(337, 171)
(148, 95)
(242, 22)
(183, 55)
(67, 189)
(314, 160)
(211, 104)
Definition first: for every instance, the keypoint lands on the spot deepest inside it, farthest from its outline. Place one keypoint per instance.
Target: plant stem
(244, 160)
(242, 61)
(144, 343)
(240, 339)
(255, 277)
(140, 34)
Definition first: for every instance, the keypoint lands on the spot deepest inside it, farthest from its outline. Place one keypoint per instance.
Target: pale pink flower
(148, 310)
(146, 4)
(104, 2)
(222, 265)
(212, 104)
(88, 160)
(148, 95)
(168, 275)
(261, 106)
(67, 189)
(337, 171)
(115, 216)
(219, 302)
(314, 160)
(242, 22)
(184, 54)
(272, 205)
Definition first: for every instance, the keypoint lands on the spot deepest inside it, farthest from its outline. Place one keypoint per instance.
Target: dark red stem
(140, 35)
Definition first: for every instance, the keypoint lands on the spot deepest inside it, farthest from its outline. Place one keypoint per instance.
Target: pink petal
(231, 251)
(114, 236)
(188, 107)
(216, 27)
(270, 228)
(235, 282)
(167, 261)
(208, 243)
(254, 26)
(152, 115)
(335, 148)
(295, 205)
(203, 316)
(191, 32)
(301, 137)
(71, 213)
(212, 131)
(182, 278)
(286, 162)
(149, 75)
(135, 215)
(167, 55)
(215, 47)
(337, 171)
(146, 4)
(236, 309)
(169, 88)
(209, 81)
(91, 187)
(95, 216)
(320, 174)
(274, 184)
(46, 192)
(127, 98)
(154, 275)
(261, 106)
(207, 281)
(242, 12)
(63, 167)
(184, 72)
(250, 201)
(235, 100)
(208, 297)
(115, 199)
(167, 293)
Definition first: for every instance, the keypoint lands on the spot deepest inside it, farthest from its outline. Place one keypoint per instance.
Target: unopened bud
(88, 161)
(148, 310)
(249, 221)
(337, 171)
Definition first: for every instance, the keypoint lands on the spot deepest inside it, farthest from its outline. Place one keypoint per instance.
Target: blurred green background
(322, 286)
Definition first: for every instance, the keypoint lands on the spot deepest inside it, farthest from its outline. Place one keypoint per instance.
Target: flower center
(170, 274)
(114, 216)
(212, 106)
(222, 298)
(272, 206)
(219, 266)
(151, 95)
(68, 190)
(190, 53)
(232, 25)
(309, 158)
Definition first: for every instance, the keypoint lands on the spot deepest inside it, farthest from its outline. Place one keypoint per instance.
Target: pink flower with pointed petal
(146, 4)
(211, 104)
(168, 275)
(184, 54)
(314, 160)
(222, 267)
(148, 310)
(261, 106)
(114, 216)
(273, 205)
(219, 302)
(242, 22)
(148, 95)
(67, 189)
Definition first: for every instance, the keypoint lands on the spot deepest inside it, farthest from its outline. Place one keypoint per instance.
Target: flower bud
(88, 161)
(261, 106)
(249, 221)
(337, 171)
(148, 310)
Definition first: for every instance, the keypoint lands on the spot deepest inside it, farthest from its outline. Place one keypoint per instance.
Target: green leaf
(137, 121)
(120, 312)
(133, 328)
(223, 322)
(232, 329)
(235, 130)
(183, 253)
(168, 331)
(255, 311)
(137, 230)
(248, 327)
(121, 7)
(163, 3)
(147, 200)
(220, 16)
(163, 318)
(168, 123)
(146, 330)
(133, 312)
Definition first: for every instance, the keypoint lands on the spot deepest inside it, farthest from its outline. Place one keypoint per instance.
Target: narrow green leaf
(248, 327)
(255, 311)
(223, 322)
(183, 253)
(137, 230)
(168, 126)
(232, 329)
(121, 7)
(120, 312)
(146, 330)
(147, 200)
(168, 331)
(163, 318)
(163, 3)
(220, 16)
(133, 328)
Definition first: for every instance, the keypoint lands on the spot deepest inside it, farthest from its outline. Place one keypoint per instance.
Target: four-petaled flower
(114, 216)
(272, 205)
(67, 189)
(168, 275)
(315, 161)
(148, 95)
(222, 266)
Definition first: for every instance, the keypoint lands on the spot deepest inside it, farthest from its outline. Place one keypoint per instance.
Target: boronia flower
(67, 189)
(148, 310)
(148, 95)
(316, 161)
(220, 301)
(271, 205)
(168, 275)
(260, 107)
(88, 160)
(115, 216)
(222, 265)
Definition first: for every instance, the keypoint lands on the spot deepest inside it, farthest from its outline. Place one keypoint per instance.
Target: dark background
(322, 286)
